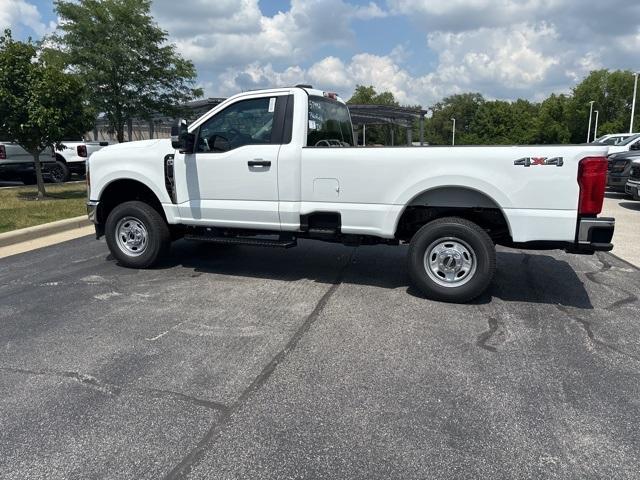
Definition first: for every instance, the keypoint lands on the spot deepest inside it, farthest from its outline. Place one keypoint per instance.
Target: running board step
(256, 242)
(322, 231)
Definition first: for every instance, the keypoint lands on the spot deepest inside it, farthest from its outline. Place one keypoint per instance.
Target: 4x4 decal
(529, 161)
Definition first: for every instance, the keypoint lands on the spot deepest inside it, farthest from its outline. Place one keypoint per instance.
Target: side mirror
(635, 146)
(181, 139)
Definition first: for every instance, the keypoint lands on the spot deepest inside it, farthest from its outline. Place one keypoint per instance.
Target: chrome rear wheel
(450, 262)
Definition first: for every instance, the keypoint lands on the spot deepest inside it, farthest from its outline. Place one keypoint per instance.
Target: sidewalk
(626, 238)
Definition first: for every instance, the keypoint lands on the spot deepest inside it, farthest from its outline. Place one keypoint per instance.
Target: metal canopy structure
(200, 107)
(363, 115)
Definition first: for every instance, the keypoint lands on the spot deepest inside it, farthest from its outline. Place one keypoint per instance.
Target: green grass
(19, 207)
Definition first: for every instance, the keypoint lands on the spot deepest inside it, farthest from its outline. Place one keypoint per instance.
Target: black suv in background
(620, 168)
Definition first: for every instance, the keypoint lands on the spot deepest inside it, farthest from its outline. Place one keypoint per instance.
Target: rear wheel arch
(461, 201)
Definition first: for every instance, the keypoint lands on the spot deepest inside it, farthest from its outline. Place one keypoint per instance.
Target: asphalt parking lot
(315, 362)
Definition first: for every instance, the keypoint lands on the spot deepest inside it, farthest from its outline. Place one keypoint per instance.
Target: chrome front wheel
(131, 236)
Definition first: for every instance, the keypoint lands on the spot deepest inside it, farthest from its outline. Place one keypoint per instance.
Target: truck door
(231, 179)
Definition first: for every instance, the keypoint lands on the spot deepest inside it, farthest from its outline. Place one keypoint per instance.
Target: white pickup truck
(17, 164)
(268, 167)
(72, 156)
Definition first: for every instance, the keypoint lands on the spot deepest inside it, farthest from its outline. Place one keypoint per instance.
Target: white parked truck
(269, 167)
(72, 156)
(57, 166)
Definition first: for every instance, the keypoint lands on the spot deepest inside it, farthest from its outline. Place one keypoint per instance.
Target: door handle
(259, 163)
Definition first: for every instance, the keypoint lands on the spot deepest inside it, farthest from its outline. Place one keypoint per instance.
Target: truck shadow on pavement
(630, 205)
(520, 276)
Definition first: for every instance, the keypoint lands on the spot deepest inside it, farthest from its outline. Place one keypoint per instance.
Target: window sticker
(312, 125)
(272, 104)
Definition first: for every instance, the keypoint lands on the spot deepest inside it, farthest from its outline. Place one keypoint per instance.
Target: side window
(329, 124)
(247, 122)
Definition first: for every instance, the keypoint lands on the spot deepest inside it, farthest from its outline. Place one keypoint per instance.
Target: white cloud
(17, 14)
(501, 48)
(502, 62)
(230, 33)
(372, 10)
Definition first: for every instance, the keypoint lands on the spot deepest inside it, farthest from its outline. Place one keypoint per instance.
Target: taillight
(82, 151)
(592, 178)
(3, 153)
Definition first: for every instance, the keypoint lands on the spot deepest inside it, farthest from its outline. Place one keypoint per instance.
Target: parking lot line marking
(157, 337)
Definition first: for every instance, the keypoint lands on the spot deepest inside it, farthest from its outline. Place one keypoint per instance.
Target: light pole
(453, 138)
(633, 102)
(595, 129)
(590, 113)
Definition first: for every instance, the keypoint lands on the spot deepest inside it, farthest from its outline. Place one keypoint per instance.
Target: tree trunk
(36, 160)
(120, 133)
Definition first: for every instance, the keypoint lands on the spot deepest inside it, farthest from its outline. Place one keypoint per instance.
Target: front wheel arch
(125, 190)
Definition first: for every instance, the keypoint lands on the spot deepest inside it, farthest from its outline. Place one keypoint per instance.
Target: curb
(32, 233)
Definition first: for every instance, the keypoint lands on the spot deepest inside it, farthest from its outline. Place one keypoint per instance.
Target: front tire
(137, 235)
(452, 260)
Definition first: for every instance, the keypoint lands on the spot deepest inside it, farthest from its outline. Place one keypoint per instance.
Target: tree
(551, 124)
(368, 96)
(612, 94)
(463, 108)
(130, 68)
(40, 105)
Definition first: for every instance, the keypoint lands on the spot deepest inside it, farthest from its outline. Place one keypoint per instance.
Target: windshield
(329, 123)
(610, 140)
(629, 140)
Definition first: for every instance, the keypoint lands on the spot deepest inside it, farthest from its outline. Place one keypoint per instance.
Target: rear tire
(59, 172)
(137, 235)
(452, 260)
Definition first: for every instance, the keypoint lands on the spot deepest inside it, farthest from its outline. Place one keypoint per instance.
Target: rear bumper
(595, 234)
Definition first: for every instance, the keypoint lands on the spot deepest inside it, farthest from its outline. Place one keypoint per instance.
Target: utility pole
(590, 114)
(633, 102)
(595, 130)
(453, 138)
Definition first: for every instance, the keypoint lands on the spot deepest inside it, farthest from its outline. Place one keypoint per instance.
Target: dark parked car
(16, 164)
(619, 169)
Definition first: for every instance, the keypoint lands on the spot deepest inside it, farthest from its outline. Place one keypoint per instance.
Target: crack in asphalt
(605, 266)
(485, 336)
(183, 469)
(83, 378)
(586, 326)
(115, 390)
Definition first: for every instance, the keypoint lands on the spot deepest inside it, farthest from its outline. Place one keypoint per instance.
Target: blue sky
(421, 50)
